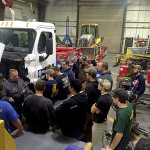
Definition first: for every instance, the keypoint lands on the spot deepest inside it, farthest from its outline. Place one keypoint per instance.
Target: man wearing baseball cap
(138, 86)
(138, 81)
(129, 75)
(75, 68)
(100, 110)
(50, 85)
(59, 60)
(82, 73)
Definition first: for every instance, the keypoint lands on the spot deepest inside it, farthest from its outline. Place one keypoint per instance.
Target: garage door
(109, 16)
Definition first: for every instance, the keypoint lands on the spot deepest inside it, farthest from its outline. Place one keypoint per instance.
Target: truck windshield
(18, 40)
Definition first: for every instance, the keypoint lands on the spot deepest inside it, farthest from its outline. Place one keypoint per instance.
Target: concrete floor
(143, 111)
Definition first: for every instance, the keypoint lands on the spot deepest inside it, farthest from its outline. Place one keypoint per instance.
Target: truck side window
(42, 41)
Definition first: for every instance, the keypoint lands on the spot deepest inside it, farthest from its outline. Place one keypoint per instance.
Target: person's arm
(4, 96)
(116, 140)
(91, 65)
(25, 89)
(141, 87)
(19, 126)
(51, 114)
(94, 109)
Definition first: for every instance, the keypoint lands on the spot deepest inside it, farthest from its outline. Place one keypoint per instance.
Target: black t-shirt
(93, 93)
(62, 85)
(39, 113)
(103, 104)
(93, 62)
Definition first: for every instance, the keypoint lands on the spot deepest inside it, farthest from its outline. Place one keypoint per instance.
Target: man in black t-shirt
(38, 110)
(62, 84)
(100, 110)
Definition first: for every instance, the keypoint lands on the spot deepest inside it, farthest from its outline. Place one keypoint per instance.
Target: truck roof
(24, 24)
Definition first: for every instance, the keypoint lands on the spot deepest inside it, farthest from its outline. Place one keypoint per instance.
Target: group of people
(84, 92)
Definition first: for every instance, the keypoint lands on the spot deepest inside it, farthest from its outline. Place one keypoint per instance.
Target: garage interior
(118, 21)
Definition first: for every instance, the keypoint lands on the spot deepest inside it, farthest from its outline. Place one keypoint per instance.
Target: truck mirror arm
(41, 58)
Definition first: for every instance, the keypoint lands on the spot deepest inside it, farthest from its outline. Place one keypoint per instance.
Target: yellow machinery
(6, 141)
(137, 53)
(90, 39)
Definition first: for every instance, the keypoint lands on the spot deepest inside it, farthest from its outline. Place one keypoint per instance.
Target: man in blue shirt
(59, 60)
(7, 113)
(67, 70)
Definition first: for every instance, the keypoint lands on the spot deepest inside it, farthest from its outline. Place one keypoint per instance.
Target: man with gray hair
(14, 91)
(93, 94)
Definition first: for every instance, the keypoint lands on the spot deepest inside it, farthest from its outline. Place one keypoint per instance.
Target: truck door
(42, 59)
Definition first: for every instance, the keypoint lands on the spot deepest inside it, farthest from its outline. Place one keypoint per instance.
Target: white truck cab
(28, 46)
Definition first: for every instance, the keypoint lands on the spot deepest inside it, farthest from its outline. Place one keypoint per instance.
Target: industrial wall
(137, 22)
(23, 11)
(57, 14)
(108, 14)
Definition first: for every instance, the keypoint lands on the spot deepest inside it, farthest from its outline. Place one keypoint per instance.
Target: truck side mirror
(49, 46)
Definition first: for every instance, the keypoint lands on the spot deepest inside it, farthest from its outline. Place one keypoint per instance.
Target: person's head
(65, 64)
(59, 58)
(40, 85)
(130, 61)
(80, 55)
(97, 57)
(13, 73)
(49, 67)
(119, 96)
(142, 144)
(56, 70)
(91, 73)
(103, 85)
(72, 54)
(50, 73)
(75, 86)
(1, 88)
(84, 60)
(102, 66)
(137, 69)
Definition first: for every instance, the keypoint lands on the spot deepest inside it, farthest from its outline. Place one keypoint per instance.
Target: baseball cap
(59, 56)
(143, 143)
(105, 83)
(84, 58)
(91, 70)
(131, 59)
(81, 54)
(138, 67)
(50, 71)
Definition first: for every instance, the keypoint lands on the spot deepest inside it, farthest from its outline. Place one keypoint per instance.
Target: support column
(41, 11)
(2, 11)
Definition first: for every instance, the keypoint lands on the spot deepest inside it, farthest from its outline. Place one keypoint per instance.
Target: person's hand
(11, 99)
(108, 148)
(20, 132)
(22, 92)
(97, 112)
